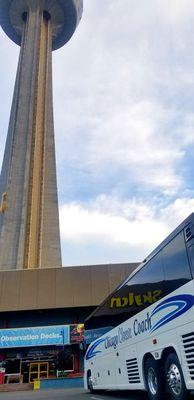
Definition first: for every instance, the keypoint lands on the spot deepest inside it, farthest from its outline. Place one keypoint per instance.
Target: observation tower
(29, 218)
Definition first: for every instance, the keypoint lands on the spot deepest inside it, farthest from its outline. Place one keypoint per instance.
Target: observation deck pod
(65, 16)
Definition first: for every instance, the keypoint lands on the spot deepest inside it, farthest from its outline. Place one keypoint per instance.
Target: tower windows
(24, 16)
(46, 15)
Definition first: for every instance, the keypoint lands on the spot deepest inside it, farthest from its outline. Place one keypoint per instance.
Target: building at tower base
(47, 302)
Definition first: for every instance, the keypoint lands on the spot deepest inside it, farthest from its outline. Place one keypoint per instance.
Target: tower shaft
(29, 221)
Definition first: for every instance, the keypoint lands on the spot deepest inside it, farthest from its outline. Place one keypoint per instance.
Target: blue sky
(124, 127)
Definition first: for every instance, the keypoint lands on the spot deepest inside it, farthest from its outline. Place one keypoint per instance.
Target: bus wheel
(175, 383)
(154, 380)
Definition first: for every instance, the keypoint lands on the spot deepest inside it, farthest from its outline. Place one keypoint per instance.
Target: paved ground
(70, 394)
(73, 394)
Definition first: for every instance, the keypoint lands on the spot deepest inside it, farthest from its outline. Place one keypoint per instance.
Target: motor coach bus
(151, 343)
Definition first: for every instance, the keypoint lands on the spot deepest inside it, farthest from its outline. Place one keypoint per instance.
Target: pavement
(71, 394)
(74, 394)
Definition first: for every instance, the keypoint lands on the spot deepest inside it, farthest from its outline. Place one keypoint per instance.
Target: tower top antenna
(65, 16)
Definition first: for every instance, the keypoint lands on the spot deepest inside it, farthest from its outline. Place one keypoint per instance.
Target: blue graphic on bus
(178, 305)
(92, 350)
(182, 303)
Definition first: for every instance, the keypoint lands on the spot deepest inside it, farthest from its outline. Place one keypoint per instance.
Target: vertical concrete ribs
(29, 221)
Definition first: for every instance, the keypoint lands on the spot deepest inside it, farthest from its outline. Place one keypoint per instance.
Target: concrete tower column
(29, 220)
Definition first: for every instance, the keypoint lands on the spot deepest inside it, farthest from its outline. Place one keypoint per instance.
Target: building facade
(42, 313)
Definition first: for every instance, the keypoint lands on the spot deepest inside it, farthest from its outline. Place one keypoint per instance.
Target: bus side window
(175, 264)
(147, 285)
(191, 258)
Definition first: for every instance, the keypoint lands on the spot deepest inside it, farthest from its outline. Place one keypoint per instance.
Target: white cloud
(77, 222)
(177, 211)
(122, 85)
(132, 224)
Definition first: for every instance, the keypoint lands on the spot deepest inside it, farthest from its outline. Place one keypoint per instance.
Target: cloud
(77, 222)
(122, 97)
(133, 227)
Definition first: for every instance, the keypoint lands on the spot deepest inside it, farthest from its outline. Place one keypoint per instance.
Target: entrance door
(39, 370)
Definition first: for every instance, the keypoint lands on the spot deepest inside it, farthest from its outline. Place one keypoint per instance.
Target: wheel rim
(152, 381)
(174, 379)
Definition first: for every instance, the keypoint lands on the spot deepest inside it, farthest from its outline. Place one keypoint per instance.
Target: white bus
(151, 343)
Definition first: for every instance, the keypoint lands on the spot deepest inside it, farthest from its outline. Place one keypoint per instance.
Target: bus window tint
(146, 287)
(139, 292)
(175, 264)
(166, 271)
(191, 257)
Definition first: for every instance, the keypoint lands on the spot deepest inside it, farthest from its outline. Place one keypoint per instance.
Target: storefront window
(65, 361)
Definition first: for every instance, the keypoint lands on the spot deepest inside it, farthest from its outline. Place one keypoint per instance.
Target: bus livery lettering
(111, 341)
(142, 326)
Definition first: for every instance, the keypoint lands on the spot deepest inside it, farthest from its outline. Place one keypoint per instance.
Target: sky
(124, 127)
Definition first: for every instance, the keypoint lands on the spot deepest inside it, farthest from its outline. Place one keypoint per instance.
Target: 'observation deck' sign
(40, 336)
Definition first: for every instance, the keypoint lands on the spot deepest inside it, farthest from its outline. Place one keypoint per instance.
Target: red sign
(76, 333)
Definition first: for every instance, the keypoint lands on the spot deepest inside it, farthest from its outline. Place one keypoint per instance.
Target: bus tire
(154, 381)
(175, 383)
